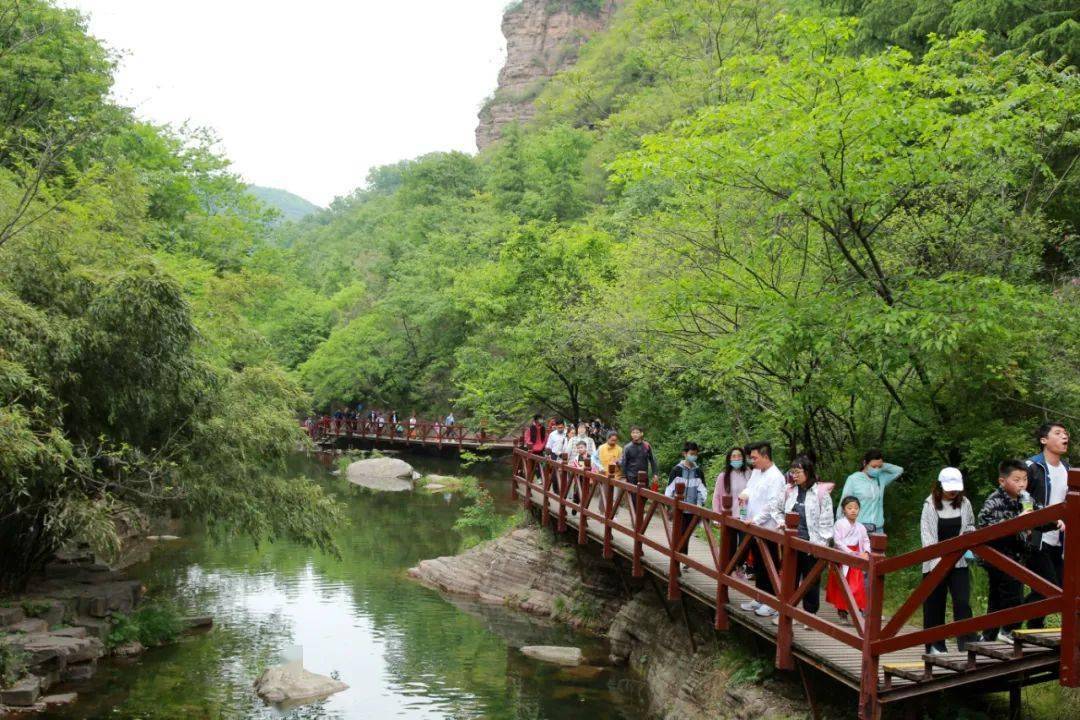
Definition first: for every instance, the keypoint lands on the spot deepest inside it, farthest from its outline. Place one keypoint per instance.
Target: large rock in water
(383, 473)
(291, 684)
(569, 656)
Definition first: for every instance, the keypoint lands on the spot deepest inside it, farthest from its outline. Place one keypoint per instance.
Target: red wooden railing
(574, 489)
(425, 432)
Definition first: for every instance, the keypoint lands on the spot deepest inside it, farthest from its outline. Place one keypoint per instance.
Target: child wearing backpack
(689, 472)
(849, 535)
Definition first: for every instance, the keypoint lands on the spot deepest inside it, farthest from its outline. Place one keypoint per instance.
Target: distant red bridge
(346, 433)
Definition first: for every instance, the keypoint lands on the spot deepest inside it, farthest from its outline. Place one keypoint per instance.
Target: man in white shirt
(1048, 483)
(557, 444)
(558, 448)
(765, 484)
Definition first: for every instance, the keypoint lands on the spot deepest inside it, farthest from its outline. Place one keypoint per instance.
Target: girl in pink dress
(850, 536)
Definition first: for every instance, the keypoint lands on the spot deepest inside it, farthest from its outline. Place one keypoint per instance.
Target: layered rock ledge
(528, 570)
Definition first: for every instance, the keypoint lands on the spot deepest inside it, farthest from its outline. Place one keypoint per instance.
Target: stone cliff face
(542, 38)
(528, 570)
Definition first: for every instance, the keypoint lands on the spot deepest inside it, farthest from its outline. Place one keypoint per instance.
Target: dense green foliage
(737, 219)
(1048, 27)
(831, 224)
(151, 625)
(140, 322)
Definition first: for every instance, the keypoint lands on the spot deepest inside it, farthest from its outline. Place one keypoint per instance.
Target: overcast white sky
(307, 96)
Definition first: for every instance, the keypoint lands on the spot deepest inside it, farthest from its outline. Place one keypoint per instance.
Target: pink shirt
(846, 534)
(738, 484)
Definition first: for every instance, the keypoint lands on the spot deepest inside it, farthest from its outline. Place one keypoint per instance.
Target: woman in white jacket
(813, 503)
(947, 514)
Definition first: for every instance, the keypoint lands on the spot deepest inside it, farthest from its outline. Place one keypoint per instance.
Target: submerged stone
(556, 654)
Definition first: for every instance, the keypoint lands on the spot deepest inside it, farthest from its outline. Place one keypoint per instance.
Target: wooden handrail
(867, 634)
(967, 541)
(433, 431)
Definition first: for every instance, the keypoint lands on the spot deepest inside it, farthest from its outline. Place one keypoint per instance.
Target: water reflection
(404, 651)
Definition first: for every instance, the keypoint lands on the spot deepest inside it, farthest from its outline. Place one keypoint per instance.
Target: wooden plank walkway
(902, 673)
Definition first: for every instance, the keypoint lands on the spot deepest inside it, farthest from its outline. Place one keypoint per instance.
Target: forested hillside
(832, 224)
(836, 225)
(139, 317)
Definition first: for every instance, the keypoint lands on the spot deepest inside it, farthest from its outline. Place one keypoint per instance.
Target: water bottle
(742, 509)
(1026, 502)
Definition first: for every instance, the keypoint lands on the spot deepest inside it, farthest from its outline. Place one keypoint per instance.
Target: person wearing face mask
(868, 485)
(731, 481)
(689, 472)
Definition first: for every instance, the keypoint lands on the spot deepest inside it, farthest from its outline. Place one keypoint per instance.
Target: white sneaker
(937, 651)
(750, 606)
(765, 611)
(1005, 636)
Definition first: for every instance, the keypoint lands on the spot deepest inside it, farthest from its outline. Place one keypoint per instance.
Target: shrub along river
(404, 650)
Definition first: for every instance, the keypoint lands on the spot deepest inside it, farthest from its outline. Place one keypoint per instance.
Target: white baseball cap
(951, 479)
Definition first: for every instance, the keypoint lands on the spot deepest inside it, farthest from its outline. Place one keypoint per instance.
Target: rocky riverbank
(53, 635)
(528, 569)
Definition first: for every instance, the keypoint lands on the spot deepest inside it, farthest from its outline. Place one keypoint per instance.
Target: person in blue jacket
(868, 485)
(689, 472)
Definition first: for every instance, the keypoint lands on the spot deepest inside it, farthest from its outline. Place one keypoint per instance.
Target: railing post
(789, 567)
(1070, 587)
(545, 476)
(639, 523)
(673, 590)
(609, 511)
(530, 470)
(727, 549)
(583, 479)
(869, 707)
(518, 464)
(565, 476)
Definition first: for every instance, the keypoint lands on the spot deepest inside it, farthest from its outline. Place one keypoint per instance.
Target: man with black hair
(557, 443)
(637, 455)
(765, 485)
(1048, 476)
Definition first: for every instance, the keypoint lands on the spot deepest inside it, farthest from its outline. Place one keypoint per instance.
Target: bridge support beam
(639, 523)
(1070, 587)
(869, 705)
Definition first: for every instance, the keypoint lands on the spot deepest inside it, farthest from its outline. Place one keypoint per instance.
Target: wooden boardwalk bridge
(879, 656)
(346, 433)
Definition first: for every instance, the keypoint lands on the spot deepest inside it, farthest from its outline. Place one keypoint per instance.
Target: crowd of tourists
(355, 421)
(761, 494)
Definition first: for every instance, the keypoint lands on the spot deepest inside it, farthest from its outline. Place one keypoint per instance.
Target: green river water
(404, 650)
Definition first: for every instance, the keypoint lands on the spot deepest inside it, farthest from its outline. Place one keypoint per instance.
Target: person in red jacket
(535, 436)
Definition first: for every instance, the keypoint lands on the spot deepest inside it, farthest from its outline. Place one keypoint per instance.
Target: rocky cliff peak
(542, 38)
